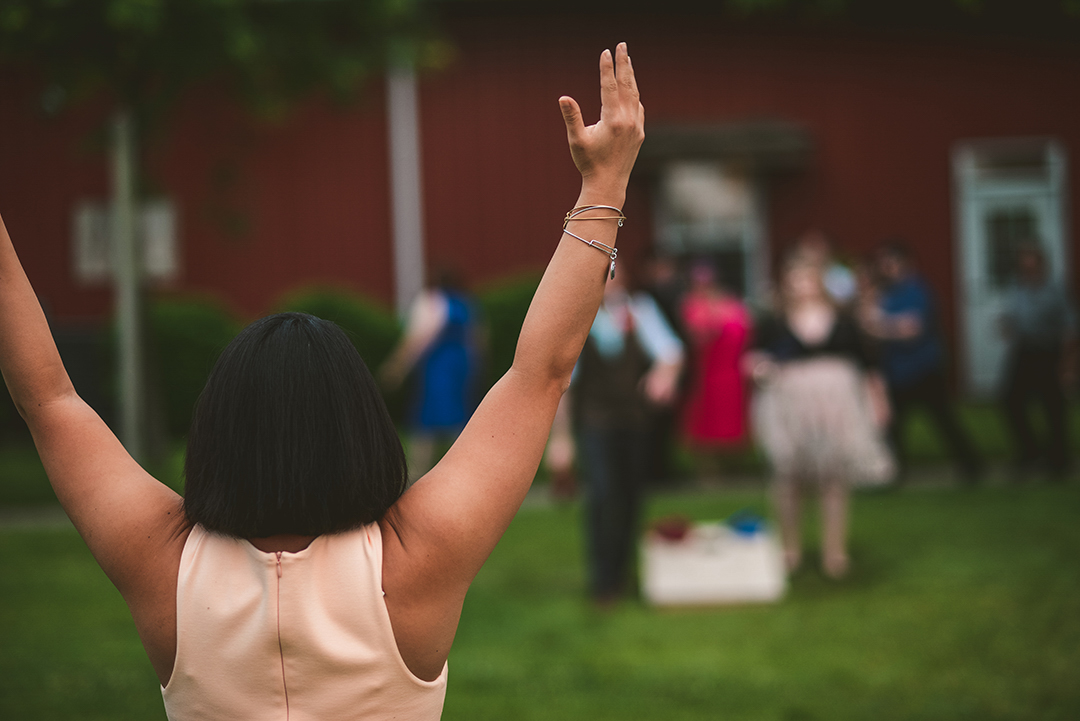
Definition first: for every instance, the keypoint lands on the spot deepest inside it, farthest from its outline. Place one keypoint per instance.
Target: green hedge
(187, 334)
(505, 304)
(371, 326)
(186, 337)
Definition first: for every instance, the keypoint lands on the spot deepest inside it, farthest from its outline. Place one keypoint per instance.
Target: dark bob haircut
(291, 435)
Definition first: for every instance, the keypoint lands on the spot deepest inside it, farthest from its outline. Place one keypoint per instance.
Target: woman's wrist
(600, 192)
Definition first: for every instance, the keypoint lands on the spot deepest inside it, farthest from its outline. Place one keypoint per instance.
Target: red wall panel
(263, 207)
(309, 193)
(883, 114)
(310, 196)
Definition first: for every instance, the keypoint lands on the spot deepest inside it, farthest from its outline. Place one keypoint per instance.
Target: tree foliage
(144, 52)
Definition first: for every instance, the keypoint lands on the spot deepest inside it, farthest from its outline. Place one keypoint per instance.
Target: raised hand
(604, 153)
(454, 515)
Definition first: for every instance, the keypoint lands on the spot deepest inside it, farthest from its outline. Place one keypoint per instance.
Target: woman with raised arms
(298, 579)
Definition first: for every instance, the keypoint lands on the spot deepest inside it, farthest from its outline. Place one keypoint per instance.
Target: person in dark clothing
(913, 357)
(667, 286)
(1040, 327)
(630, 363)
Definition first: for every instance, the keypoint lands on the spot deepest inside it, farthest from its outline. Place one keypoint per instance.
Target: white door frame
(980, 352)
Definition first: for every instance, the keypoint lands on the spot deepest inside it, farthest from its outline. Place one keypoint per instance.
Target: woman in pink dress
(718, 327)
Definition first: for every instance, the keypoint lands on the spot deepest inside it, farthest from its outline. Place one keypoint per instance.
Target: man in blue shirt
(913, 356)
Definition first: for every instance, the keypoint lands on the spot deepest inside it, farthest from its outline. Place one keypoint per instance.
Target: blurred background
(170, 171)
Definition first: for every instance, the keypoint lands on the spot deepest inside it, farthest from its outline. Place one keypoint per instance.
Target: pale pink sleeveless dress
(299, 636)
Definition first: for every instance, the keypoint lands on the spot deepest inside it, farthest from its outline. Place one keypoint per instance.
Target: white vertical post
(406, 199)
(758, 250)
(126, 269)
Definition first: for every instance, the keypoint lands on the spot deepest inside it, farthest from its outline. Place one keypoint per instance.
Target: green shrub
(371, 326)
(7, 408)
(505, 304)
(186, 337)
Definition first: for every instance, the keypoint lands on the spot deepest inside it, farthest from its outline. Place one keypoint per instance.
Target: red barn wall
(263, 207)
(46, 164)
(883, 114)
(309, 193)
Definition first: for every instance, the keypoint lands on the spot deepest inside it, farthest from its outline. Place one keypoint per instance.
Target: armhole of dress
(194, 538)
(373, 534)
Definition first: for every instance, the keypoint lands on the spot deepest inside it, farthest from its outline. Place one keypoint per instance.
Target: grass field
(962, 605)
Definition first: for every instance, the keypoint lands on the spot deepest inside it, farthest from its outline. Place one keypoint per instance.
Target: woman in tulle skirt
(818, 411)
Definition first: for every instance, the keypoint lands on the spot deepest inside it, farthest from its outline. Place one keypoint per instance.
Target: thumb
(572, 116)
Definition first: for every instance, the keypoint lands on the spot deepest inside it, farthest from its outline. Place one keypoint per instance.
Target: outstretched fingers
(624, 70)
(611, 143)
(618, 86)
(609, 85)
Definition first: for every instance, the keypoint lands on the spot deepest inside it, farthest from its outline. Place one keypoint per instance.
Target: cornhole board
(712, 564)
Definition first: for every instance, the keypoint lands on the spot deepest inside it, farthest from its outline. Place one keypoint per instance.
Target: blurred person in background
(442, 342)
(867, 289)
(718, 327)
(913, 356)
(630, 364)
(819, 410)
(840, 281)
(666, 283)
(1039, 325)
(560, 453)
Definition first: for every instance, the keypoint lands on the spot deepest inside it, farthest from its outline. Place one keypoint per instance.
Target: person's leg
(595, 456)
(834, 527)
(1055, 405)
(900, 403)
(660, 444)
(933, 394)
(1015, 403)
(559, 454)
(786, 496)
(1057, 417)
(628, 488)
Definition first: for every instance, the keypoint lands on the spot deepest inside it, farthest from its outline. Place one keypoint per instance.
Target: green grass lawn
(962, 605)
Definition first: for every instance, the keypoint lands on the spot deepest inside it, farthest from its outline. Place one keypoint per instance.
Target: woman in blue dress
(440, 342)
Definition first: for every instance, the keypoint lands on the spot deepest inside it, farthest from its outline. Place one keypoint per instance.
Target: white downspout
(127, 267)
(406, 198)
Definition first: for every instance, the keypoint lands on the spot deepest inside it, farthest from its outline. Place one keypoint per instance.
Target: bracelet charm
(609, 250)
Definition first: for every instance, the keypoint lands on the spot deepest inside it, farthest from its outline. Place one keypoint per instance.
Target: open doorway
(711, 209)
(1007, 192)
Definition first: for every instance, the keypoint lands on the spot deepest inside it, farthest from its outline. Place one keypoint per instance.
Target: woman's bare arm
(451, 519)
(131, 522)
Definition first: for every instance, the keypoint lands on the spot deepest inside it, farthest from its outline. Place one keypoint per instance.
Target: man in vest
(630, 364)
